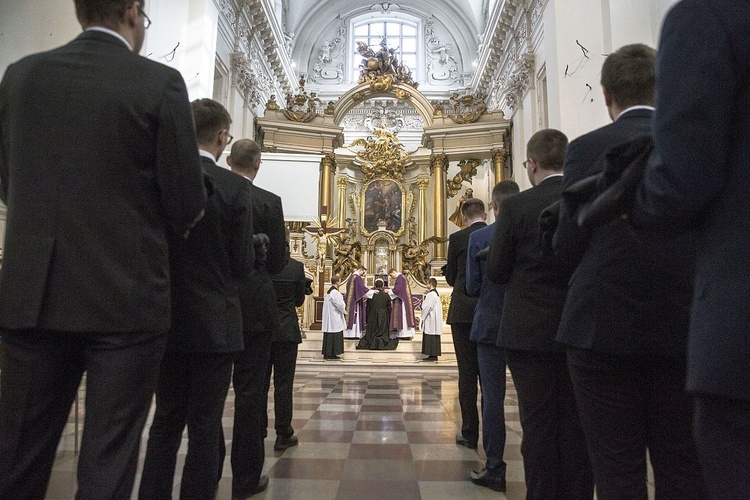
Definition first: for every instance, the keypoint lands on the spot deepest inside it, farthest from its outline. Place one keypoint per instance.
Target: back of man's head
(629, 75)
(547, 148)
(473, 209)
(245, 157)
(504, 189)
(102, 12)
(210, 119)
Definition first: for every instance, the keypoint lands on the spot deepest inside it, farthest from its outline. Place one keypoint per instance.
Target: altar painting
(383, 202)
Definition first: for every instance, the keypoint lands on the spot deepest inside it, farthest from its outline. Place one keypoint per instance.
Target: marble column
(439, 168)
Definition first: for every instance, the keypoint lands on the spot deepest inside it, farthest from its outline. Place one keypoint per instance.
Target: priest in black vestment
(377, 330)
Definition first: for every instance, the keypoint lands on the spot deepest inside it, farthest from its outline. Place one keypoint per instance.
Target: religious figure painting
(383, 204)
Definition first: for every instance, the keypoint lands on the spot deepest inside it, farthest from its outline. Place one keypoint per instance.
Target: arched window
(399, 34)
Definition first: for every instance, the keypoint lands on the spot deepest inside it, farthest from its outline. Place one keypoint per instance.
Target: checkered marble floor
(364, 433)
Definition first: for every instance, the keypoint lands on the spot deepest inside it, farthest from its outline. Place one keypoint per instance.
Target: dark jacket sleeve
(473, 268)
(502, 257)
(241, 248)
(277, 256)
(299, 292)
(178, 169)
(450, 267)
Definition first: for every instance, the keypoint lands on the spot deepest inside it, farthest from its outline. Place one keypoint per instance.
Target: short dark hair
(102, 11)
(245, 153)
(335, 279)
(210, 118)
(503, 189)
(379, 284)
(433, 282)
(547, 148)
(629, 75)
(472, 208)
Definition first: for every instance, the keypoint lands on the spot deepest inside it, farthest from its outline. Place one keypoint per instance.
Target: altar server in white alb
(432, 322)
(334, 322)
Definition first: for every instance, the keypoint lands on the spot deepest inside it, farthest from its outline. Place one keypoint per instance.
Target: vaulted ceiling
(309, 20)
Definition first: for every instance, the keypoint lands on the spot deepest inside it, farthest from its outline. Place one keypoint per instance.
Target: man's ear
(229, 160)
(607, 98)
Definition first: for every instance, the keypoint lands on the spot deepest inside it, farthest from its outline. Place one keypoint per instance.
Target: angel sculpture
(414, 256)
(347, 256)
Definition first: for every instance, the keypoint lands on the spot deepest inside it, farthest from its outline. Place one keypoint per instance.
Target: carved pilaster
(438, 169)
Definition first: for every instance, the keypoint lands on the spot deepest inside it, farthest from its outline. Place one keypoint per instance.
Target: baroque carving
(329, 66)
(467, 171)
(442, 68)
(518, 82)
(382, 69)
(383, 156)
(302, 107)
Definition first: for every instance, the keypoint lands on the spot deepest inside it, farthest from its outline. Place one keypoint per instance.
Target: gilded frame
(376, 196)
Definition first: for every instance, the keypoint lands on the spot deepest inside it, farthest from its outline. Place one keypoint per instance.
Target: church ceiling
(312, 25)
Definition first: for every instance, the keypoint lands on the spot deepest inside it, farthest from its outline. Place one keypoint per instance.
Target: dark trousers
(555, 459)
(722, 434)
(283, 362)
(41, 371)
(191, 390)
(628, 404)
(248, 450)
(468, 374)
(492, 375)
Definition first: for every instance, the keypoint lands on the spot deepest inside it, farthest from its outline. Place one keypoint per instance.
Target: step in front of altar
(408, 352)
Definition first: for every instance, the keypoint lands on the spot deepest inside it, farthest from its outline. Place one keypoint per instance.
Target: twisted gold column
(327, 166)
(423, 183)
(498, 163)
(438, 168)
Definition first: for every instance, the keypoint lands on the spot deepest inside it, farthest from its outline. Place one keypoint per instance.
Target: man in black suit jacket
(289, 286)
(553, 446)
(260, 316)
(625, 321)
(709, 105)
(85, 280)
(206, 324)
(460, 317)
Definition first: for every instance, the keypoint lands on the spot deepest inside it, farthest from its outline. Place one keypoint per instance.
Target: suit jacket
(98, 164)
(706, 187)
(626, 295)
(461, 309)
(486, 324)
(208, 266)
(289, 286)
(536, 285)
(260, 312)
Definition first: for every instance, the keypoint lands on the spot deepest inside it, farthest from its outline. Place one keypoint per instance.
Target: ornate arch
(366, 91)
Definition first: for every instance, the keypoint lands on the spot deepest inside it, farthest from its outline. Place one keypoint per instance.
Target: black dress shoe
(463, 442)
(488, 480)
(284, 443)
(262, 485)
(430, 358)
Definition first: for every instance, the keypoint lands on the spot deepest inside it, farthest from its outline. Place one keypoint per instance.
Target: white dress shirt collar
(633, 108)
(206, 154)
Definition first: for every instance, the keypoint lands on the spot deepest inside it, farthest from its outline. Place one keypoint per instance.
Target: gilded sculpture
(382, 69)
(383, 156)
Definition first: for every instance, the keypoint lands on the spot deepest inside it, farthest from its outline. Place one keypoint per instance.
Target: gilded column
(423, 183)
(327, 167)
(498, 163)
(438, 168)
(341, 184)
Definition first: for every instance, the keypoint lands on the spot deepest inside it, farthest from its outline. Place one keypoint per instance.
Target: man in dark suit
(460, 317)
(206, 324)
(625, 321)
(709, 106)
(85, 280)
(554, 452)
(260, 317)
(289, 286)
(490, 356)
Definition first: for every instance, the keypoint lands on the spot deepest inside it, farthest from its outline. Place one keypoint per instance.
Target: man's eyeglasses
(231, 138)
(146, 20)
(524, 164)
